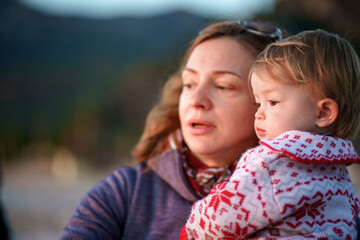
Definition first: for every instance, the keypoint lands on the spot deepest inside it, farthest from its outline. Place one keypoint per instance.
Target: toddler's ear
(328, 112)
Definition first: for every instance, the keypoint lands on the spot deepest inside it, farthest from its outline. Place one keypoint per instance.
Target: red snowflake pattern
(220, 194)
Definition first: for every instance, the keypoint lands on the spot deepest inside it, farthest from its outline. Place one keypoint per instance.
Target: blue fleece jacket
(133, 203)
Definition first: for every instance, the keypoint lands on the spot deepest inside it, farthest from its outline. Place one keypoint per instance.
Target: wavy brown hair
(163, 118)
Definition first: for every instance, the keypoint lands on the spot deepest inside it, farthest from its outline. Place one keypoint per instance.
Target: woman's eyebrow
(217, 72)
(186, 69)
(225, 72)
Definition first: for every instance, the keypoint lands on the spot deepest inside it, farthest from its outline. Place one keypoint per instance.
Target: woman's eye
(273, 103)
(222, 87)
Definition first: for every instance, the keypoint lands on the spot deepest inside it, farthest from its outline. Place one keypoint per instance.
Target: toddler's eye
(273, 103)
(188, 85)
(257, 104)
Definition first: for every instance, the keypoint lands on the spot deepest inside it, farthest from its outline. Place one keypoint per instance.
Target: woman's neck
(221, 159)
(225, 156)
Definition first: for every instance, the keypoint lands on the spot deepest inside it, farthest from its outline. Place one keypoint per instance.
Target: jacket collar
(168, 166)
(312, 148)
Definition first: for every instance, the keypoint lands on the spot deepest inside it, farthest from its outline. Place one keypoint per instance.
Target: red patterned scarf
(201, 177)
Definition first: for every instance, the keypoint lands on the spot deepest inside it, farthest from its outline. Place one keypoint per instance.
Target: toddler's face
(282, 107)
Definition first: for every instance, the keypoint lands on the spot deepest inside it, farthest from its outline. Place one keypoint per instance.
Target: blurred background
(77, 79)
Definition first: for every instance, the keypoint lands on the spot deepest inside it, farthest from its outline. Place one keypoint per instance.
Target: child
(295, 184)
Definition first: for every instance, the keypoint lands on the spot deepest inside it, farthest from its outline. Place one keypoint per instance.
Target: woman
(191, 141)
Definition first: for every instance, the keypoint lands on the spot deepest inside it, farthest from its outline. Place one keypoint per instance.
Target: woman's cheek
(181, 104)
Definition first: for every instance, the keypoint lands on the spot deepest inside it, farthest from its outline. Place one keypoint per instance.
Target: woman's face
(216, 110)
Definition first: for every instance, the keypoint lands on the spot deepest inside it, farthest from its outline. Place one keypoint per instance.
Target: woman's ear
(328, 112)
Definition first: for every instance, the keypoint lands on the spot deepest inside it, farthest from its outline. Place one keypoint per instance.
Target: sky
(115, 8)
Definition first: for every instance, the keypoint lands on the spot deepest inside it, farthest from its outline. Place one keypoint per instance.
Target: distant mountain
(51, 68)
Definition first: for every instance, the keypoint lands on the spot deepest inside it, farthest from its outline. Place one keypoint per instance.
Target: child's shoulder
(311, 148)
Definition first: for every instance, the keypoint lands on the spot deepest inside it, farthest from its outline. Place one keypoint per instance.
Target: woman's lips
(199, 127)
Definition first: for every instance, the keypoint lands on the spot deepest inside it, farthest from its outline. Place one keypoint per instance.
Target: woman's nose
(201, 98)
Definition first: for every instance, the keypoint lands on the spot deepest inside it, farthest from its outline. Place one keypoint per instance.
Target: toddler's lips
(260, 132)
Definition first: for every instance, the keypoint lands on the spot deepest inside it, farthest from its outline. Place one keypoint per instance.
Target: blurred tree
(82, 84)
(337, 16)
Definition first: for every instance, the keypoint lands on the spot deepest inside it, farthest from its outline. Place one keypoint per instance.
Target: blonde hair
(326, 64)
(163, 117)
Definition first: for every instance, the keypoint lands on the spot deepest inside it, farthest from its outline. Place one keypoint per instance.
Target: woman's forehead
(220, 54)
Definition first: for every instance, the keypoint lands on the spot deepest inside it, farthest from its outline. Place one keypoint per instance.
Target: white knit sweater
(295, 186)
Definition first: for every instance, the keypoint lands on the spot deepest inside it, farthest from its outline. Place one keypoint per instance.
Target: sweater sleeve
(238, 208)
(102, 211)
(358, 227)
